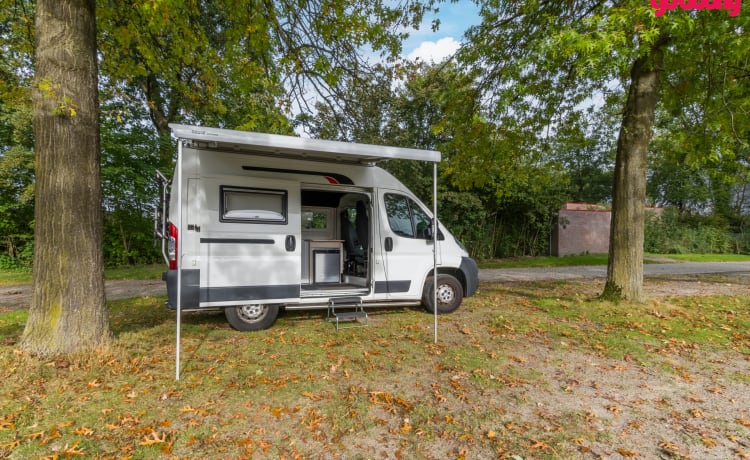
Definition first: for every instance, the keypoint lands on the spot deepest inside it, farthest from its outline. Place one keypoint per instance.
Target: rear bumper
(190, 297)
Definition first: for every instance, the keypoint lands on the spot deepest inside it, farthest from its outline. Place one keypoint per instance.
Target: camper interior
(336, 235)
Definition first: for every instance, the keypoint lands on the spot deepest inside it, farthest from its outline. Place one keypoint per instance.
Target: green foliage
(230, 63)
(464, 214)
(243, 63)
(553, 74)
(16, 137)
(673, 233)
(131, 155)
(494, 194)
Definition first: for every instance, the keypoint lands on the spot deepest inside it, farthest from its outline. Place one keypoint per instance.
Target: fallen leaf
(539, 445)
(8, 422)
(312, 396)
(35, 436)
(72, 450)
(83, 431)
(708, 442)
(10, 445)
(153, 438)
(627, 453)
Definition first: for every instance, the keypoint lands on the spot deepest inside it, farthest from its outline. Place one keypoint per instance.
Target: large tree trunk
(68, 310)
(625, 265)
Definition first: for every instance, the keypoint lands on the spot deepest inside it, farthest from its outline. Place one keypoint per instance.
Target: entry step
(347, 309)
(350, 315)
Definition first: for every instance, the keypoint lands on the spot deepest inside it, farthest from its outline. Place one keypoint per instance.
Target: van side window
(406, 218)
(252, 205)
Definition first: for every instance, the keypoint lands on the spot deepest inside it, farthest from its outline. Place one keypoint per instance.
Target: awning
(297, 147)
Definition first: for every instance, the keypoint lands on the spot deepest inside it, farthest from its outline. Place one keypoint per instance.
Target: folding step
(353, 311)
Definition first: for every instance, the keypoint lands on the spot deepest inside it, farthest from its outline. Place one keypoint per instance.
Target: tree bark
(68, 311)
(625, 265)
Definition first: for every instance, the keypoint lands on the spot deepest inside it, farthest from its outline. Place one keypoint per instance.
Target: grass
(545, 261)
(601, 259)
(301, 389)
(708, 257)
(136, 272)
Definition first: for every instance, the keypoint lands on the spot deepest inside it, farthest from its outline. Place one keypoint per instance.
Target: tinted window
(406, 218)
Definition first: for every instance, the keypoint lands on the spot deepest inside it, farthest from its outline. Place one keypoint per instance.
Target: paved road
(600, 271)
(20, 296)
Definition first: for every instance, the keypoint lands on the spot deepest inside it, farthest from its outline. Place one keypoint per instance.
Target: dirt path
(19, 296)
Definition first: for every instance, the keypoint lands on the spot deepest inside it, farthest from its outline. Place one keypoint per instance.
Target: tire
(450, 294)
(252, 317)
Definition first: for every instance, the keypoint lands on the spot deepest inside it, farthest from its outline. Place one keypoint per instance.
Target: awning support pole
(179, 260)
(434, 248)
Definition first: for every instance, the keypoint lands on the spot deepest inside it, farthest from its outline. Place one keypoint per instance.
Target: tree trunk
(68, 311)
(625, 265)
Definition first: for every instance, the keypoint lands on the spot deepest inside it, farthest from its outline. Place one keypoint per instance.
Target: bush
(670, 233)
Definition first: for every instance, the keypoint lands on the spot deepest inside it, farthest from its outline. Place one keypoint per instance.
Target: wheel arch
(453, 271)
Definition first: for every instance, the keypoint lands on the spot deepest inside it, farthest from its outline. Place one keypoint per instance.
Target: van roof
(297, 147)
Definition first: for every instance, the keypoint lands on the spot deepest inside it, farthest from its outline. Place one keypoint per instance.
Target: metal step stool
(354, 311)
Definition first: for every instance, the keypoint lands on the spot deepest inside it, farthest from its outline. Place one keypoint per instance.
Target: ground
(509, 393)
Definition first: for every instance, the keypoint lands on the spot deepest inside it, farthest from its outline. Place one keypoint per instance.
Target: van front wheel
(450, 293)
(252, 317)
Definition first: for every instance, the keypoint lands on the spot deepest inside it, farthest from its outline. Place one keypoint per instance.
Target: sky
(455, 18)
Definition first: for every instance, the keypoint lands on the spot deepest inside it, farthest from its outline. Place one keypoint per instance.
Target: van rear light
(172, 247)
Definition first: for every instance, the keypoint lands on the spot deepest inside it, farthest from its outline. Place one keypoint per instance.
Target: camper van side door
(250, 242)
(407, 243)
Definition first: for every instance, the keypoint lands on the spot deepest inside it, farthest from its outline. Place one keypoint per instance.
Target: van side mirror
(429, 234)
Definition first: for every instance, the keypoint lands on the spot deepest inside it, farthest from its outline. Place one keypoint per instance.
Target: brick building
(581, 229)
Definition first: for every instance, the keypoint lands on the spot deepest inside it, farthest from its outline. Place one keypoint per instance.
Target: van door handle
(290, 243)
(388, 244)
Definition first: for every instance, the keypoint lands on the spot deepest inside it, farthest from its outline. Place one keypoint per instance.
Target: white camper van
(252, 223)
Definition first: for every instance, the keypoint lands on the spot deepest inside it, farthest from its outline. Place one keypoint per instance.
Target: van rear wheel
(252, 317)
(450, 294)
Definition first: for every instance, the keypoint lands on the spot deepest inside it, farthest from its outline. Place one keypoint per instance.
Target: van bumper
(191, 280)
(471, 274)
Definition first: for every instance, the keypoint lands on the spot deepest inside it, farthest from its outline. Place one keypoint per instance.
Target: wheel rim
(252, 313)
(445, 294)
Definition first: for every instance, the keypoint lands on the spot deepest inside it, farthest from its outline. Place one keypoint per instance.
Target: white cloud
(434, 52)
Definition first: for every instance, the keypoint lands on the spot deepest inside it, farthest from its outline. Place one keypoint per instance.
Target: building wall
(581, 229)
